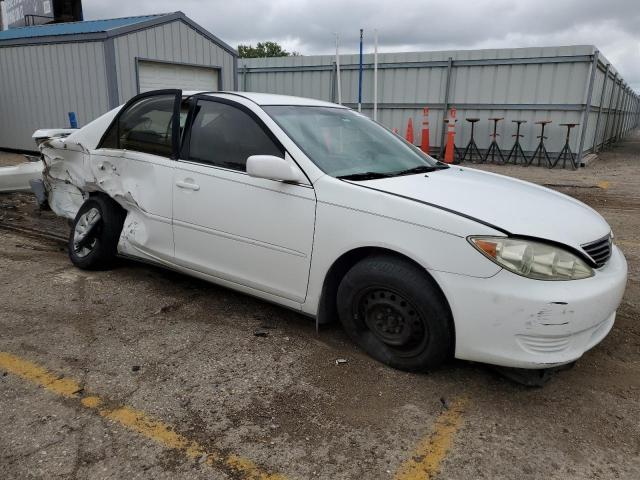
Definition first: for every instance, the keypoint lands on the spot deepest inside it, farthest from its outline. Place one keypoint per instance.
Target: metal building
(91, 67)
(561, 84)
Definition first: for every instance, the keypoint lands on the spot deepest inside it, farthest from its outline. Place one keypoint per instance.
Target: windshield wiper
(364, 176)
(409, 171)
(422, 169)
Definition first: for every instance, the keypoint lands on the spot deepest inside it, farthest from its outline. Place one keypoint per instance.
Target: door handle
(188, 185)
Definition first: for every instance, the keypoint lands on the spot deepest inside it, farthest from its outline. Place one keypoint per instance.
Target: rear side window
(146, 126)
(224, 136)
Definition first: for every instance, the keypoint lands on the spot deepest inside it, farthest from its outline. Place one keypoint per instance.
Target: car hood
(517, 207)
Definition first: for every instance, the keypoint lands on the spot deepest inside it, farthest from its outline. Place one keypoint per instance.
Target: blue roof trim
(74, 28)
(100, 30)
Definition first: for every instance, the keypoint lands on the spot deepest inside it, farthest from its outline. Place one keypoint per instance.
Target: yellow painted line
(30, 371)
(134, 420)
(425, 460)
(604, 184)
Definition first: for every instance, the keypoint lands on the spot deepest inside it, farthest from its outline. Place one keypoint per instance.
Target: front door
(253, 232)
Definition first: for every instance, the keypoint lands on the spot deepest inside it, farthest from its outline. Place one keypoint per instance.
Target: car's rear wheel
(93, 241)
(395, 312)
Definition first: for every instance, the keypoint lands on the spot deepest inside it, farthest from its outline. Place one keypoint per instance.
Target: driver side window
(146, 126)
(225, 136)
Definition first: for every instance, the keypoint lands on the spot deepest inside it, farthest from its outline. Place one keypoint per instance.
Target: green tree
(264, 49)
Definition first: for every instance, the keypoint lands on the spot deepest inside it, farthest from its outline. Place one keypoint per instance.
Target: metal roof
(93, 30)
(73, 28)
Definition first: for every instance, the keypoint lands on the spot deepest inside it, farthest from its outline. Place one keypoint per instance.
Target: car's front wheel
(395, 312)
(93, 241)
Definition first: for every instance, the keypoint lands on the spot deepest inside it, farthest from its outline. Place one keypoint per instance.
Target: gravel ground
(186, 352)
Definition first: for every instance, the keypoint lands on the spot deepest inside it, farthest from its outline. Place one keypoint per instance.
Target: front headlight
(532, 259)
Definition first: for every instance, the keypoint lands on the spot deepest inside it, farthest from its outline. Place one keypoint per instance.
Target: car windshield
(346, 144)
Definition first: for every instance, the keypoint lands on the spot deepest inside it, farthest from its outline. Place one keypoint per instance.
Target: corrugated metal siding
(615, 105)
(40, 84)
(172, 42)
(525, 88)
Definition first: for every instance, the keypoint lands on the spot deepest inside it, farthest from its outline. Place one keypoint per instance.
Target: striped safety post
(409, 135)
(424, 145)
(450, 151)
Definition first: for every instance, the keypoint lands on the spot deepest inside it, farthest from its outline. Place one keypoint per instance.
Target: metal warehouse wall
(532, 84)
(614, 108)
(43, 77)
(172, 42)
(40, 84)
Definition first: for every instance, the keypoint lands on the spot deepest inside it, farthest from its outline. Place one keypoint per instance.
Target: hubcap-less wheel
(85, 232)
(393, 320)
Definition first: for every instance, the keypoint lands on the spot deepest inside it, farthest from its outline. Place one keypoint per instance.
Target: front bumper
(518, 322)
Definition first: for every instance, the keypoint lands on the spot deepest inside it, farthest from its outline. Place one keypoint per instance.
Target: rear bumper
(513, 321)
(17, 178)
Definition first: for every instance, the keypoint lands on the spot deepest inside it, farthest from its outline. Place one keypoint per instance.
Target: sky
(309, 27)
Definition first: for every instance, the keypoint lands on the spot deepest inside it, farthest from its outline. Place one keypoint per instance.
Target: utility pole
(338, 83)
(375, 75)
(360, 76)
(3, 14)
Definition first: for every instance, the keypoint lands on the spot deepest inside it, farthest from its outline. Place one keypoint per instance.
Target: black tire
(395, 312)
(99, 249)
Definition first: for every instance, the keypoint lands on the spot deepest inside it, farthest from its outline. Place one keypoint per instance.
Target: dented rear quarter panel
(74, 168)
(65, 172)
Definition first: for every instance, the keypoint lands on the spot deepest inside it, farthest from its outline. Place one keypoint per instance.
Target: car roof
(264, 99)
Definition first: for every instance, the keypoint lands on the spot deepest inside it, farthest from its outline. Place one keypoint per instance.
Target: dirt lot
(165, 377)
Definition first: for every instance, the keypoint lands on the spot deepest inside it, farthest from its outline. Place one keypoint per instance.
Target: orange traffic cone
(425, 130)
(450, 151)
(409, 135)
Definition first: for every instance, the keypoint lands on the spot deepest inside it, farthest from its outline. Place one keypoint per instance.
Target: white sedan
(317, 208)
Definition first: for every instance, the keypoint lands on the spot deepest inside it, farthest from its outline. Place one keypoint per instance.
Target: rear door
(253, 232)
(134, 164)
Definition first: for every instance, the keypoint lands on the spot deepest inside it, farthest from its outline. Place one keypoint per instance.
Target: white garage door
(155, 76)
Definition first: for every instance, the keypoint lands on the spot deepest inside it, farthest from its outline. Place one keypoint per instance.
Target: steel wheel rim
(85, 232)
(392, 319)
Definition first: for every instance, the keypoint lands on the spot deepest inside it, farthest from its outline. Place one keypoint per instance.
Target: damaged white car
(315, 207)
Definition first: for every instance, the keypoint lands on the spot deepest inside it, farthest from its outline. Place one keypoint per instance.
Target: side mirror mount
(273, 168)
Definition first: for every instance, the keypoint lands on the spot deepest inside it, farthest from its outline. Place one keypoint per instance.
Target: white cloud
(308, 26)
